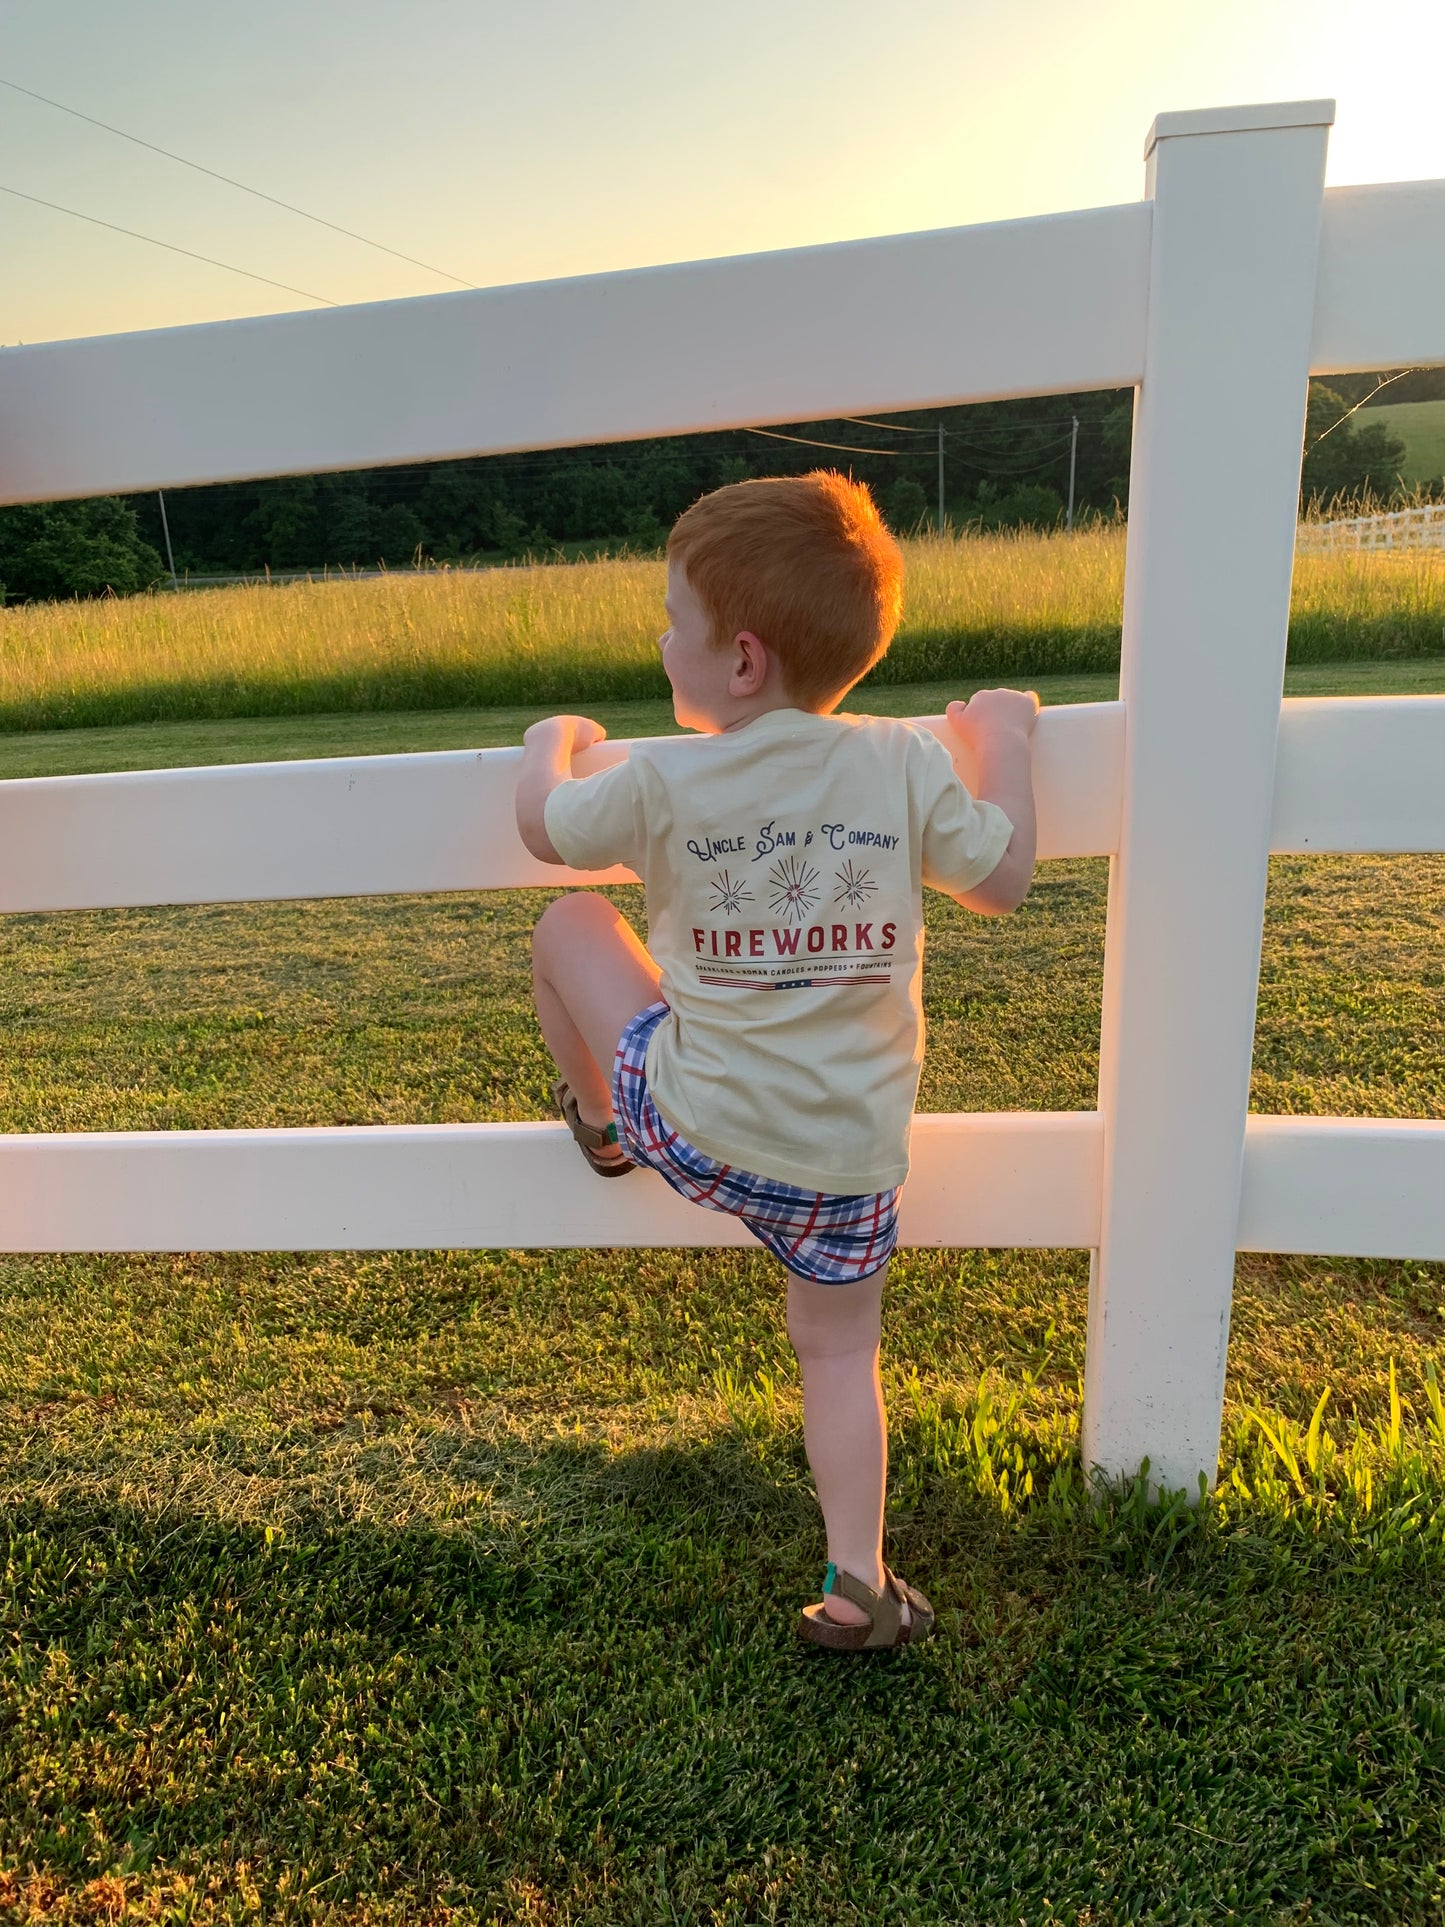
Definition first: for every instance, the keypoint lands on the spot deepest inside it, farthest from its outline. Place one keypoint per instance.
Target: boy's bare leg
(835, 1331)
(590, 976)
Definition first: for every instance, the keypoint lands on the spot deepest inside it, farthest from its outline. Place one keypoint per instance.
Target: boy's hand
(994, 712)
(547, 751)
(574, 733)
(997, 725)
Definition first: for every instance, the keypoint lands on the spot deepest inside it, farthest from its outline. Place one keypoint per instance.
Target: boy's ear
(751, 659)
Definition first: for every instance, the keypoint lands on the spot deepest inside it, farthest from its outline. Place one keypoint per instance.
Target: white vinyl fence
(1216, 295)
(1415, 528)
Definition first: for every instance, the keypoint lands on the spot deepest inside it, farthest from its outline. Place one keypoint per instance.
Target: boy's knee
(566, 919)
(829, 1321)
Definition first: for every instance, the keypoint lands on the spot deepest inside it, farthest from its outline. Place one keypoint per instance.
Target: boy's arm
(999, 725)
(547, 751)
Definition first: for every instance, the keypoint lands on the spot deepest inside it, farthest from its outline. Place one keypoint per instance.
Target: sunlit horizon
(502, 149)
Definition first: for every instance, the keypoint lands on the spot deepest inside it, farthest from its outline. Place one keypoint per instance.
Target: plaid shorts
(831, 1240)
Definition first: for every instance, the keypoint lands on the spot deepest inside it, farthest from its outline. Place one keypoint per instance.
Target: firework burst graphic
(793, 883)
(854, 886)
(729, 893)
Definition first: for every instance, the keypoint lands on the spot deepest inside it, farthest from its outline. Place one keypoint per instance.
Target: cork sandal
(885, 1627)
(590, 1137)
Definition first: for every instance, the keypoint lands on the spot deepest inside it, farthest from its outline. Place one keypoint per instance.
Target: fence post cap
(1240, 120)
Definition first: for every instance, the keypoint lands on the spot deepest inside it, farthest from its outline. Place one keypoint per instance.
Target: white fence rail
(991, 1180)
(1415, 528)
(1217, 295)
(1352, 1186)
(386, 825)
(608, 357)
(1055, 305)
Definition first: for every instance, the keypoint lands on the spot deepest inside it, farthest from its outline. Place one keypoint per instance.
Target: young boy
(764, 1055)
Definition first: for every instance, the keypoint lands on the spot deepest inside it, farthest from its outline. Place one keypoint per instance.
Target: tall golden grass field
(1009, 605)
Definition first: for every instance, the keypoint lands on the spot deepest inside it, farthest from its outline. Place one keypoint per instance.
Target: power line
(1030, 468)
(406, 481)
(1383, 382)
(894, 428)
(959, 436)
(993, 453)
(289, 206)
(847, 448)
(170, 246)
(975, 428)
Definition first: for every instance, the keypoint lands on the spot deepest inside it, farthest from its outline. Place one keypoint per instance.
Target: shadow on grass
(579, 1697)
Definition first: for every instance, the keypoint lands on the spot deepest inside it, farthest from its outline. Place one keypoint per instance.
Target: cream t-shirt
(783, 863)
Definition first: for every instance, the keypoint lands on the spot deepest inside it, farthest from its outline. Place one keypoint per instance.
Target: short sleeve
(963, 838)
(594, 822)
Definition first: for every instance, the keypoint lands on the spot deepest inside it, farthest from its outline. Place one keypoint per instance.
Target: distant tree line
(1005, 464)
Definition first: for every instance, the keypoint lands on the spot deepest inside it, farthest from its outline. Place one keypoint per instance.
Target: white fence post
(1214, 483)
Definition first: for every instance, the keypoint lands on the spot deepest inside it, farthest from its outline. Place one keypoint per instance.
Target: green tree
(53, 549)
(399, 534)
(907, 506)
(506, 531)
(285, 520)
(350, 529)
(643, 530)
(453, 508)
(1346, 459)
(1032, 505)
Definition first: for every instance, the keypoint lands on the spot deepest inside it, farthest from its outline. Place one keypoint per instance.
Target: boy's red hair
(806, 564)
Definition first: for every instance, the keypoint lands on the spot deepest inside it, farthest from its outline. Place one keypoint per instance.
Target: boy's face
(700, 674)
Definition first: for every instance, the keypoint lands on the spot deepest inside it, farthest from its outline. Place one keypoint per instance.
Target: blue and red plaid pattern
(831, 1240)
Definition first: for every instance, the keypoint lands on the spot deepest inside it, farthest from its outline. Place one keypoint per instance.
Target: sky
(501, 143)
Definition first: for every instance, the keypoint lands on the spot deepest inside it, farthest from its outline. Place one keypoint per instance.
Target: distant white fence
(1415, 528)
(1217, 295)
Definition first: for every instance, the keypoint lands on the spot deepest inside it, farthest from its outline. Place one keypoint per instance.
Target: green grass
(424, 1587)
(1420, 425)
(1011, 606)
(259, 739)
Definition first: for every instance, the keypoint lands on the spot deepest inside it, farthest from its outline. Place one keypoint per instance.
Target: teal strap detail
(609, 1136)
(830, 1578)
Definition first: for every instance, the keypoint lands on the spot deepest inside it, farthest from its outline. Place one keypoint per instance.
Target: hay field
(1008, 605)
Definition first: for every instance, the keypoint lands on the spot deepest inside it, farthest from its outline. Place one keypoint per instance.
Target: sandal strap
(884, 1610)
(591, 1137)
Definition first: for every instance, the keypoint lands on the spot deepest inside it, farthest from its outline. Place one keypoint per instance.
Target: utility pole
(1073, 457)
(940, 478)
(166, 531)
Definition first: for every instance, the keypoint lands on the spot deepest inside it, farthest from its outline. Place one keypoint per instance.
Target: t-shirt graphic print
(783, 864)
(821, 908)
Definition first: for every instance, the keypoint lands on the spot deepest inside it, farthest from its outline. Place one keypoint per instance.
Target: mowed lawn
(432, 1587)
(1420, 425)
